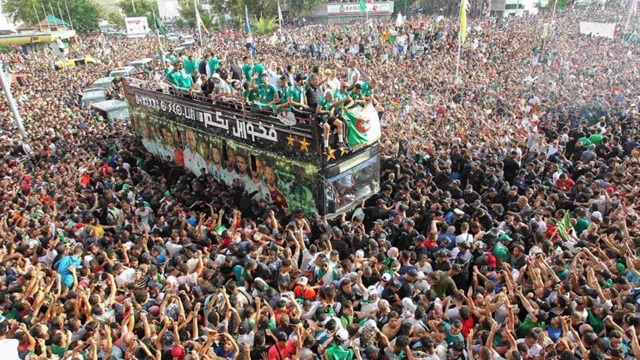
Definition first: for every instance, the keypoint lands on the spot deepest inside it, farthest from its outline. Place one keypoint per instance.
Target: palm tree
(264, 25)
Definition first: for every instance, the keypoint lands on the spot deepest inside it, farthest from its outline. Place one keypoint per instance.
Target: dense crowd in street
(506, 226)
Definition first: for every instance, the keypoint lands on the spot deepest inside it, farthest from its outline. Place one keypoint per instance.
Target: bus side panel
(267, 175)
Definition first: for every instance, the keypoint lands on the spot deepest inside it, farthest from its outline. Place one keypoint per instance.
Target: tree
(143, 8)
(187, 11)
(85, 14)
(266, 7)
(115, 20)
(264, 25)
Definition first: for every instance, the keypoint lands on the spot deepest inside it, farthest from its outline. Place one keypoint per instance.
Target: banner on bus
(268, 176)
(136, 26)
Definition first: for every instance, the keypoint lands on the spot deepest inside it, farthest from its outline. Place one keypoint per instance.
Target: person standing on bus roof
(326, 110)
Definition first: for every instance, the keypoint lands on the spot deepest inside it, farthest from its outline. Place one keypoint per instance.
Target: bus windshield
(355, 184)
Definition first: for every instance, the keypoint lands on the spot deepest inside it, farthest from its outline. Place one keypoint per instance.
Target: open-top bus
(280, 157)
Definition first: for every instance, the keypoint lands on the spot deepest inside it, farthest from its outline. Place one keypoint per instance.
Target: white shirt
(9, 349)
(173, 249)
(194, 161)
(126, 277)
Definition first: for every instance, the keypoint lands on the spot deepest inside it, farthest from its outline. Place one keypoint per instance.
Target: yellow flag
(463, 21)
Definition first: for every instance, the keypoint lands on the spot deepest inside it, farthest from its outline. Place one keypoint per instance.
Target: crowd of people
(506, 226)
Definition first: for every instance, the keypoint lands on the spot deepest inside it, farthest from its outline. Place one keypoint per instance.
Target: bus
(277, 157)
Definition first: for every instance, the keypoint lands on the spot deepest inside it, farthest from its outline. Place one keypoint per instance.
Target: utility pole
(12, 102)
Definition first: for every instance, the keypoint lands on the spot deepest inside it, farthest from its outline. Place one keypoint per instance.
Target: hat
(178, 351)
(597, 215)
(386, 277)
(379, 221)
(395, 283)
(505, 237)
(303, 280)
(419, 238)
(458, 212)
(413, 273)
(342, 335)
(215, 76)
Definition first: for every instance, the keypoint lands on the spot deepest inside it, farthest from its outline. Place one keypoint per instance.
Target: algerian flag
(363, 6)
(364, 126)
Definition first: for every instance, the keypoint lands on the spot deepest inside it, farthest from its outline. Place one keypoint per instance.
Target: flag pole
(60, 13)
(195, 4)
(46, 17)
(279, 16)
(36, 12)
(249, 37)
(12, 102)
(68, 14)
(155, 22)
(462, 8)
(632, 9)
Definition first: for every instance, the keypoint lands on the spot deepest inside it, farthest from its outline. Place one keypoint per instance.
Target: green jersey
(247, 70)
(367, 91)
(267, 93)
(190, 66)
(258, 69)
(214, 64)
(339, 96)
(295, 93)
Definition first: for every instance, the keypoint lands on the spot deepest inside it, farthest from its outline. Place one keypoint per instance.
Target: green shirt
(501, 252)
(367, 91)
(449, 338)
(596, 139)
(214, 64)
(247, 71)
(339, 96)
(267, 93)
(190, 66)
(581, 225)
(185, 81)
(337, 352)
(172, 77)
(294, 92)
(324, 104)
(596, 323)
(585, 141)
(253, 95)
(527, 326)
(258, 69)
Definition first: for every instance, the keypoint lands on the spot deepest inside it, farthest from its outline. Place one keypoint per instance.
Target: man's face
(241, 164)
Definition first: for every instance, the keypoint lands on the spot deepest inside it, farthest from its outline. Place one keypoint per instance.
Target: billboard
(269, 176)
(353, 9)
(136, 26)
(607, 30)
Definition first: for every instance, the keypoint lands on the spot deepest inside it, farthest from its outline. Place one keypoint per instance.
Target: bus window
(355, 184)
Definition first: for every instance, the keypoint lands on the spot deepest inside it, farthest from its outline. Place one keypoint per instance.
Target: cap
(412, 273)
(386, 277)
(597, 215)
(303, 281)
(505, 237)
(342, 335)
(458, 212)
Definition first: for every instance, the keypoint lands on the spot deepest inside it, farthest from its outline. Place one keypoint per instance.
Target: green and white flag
(364, 126)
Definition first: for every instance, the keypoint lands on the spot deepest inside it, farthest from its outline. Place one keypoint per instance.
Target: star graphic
(290, 140)
(331, 154)
(304, 145)
(343, 151)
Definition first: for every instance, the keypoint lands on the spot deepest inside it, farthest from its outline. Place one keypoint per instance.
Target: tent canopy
(55, 21)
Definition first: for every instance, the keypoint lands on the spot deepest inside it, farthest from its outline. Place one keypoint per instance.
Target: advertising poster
(136, 26)
(266, 175)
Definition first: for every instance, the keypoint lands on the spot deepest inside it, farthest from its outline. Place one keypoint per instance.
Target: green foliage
(143, 8)
(187, 11)
(300, 7)
(180, 23)
(266, 7)
(115, 20)
(264, 25)
(5, 49)
(85, 14)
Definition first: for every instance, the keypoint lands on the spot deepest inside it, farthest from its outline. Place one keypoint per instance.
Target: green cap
(167, 193)
(505, 237)
(125, 187)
